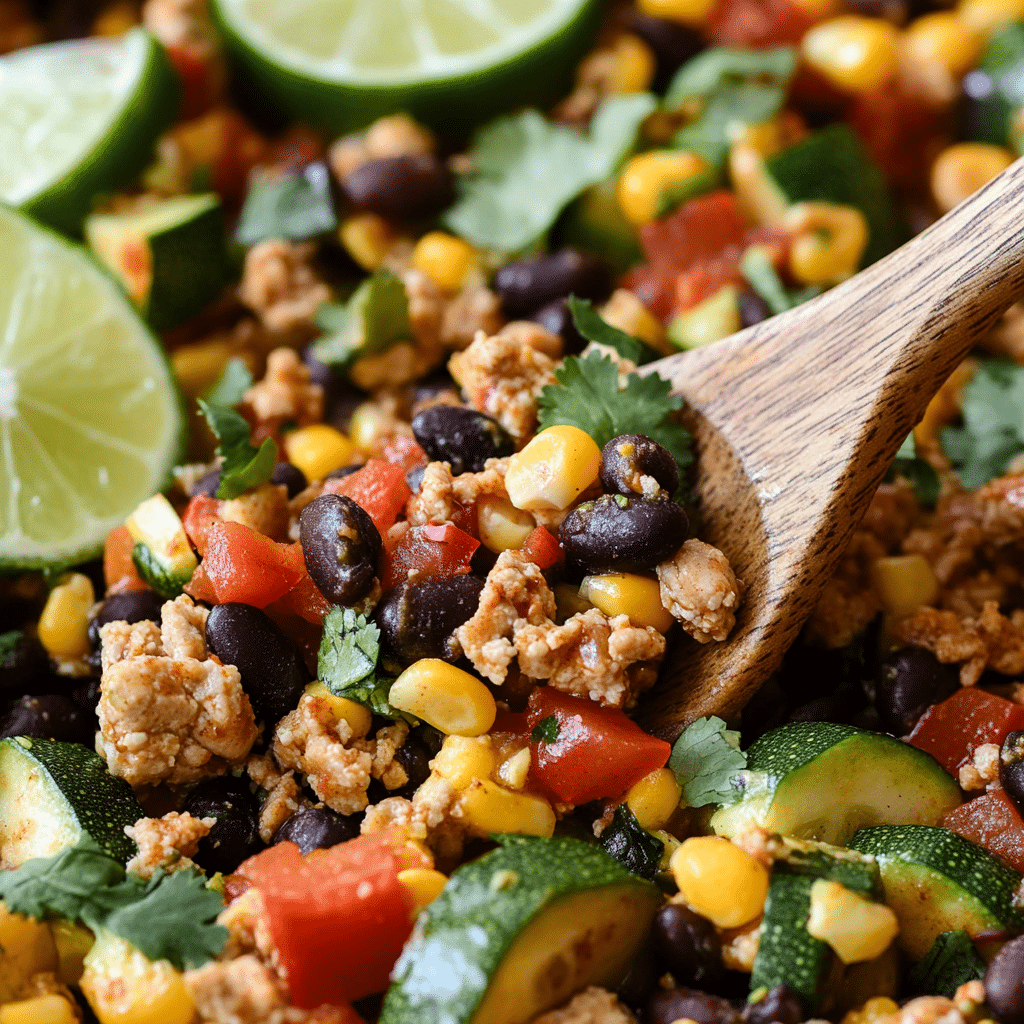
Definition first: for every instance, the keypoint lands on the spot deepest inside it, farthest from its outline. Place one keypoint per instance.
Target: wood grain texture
(798, 418)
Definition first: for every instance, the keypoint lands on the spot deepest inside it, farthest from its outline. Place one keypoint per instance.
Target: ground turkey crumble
(591, 1006)
(441, 498)
(287, 392)
(167, 711)
(700, 589)
(168, 842)
(280, 287)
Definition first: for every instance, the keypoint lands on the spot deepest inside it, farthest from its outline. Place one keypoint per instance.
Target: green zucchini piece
(951, 962)
(819, 780)
(520, 931)
(162, 552)
(51, 792)
(936, 881)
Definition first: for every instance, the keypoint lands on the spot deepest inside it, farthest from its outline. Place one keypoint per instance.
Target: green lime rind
(126, 147)
(107, 368)
(537, 76)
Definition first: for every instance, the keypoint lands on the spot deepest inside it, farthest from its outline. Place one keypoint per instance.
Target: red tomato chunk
(428, 552)
(992, 821)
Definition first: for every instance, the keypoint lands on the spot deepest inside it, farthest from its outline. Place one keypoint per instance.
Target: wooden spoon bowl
(798, 418)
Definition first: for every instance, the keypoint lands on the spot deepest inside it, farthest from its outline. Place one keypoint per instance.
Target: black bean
(24, 663)
(618, 534)
(273, 674)
(337, 474)
(413, 756)
(50, 716)
(87, 695)
(316, 828)
(645, 971)
(556, 317)
(461, 436)
(526, 285)
(688, 945)
(673, 44)
(236, 835)
(435, 383)
(669, 1005)
(131, 606)
(908, 682)
(207, 484)
(291, 476)
(1011, 767)
(753, 309)
(401, 187)
(341, 546)
(418, 617)
(779, 1005)
(1004, 983)
(626, 457)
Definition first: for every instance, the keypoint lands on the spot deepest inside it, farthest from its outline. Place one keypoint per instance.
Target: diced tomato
(202, 79)
(305, 601)
(992, 821)
(224, 144)
(403, 451)
(295, 149)
(200, 514)
(200, 587)
(757, 23)
(952, 730)
(338, 917)
(243, 565)
(429, 552)
(119, 570)
(542, 548)
(379, 488)
(599, 752)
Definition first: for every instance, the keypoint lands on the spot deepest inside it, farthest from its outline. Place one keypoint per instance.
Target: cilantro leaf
(527, 169)
(919, 472)
(951, 962)
(374, 319)
(169, 917)
(230, 389)
(705, 759)
(296, 206)
(993, 430)
(243, 465)
(594, 327)
(632, 845)
(347, 663)
(587, 396)
(546, 729)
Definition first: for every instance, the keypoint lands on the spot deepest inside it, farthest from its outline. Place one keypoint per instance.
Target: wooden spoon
(798, 418)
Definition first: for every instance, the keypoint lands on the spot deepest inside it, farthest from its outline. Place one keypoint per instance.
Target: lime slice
(90, 417)
(449, 63)
(80, 118)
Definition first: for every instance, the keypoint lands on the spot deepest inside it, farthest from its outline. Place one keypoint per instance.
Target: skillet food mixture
(319, 670)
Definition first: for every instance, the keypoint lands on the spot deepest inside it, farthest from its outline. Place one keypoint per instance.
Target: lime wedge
(80, 118)
(449, 63)
(90, 417)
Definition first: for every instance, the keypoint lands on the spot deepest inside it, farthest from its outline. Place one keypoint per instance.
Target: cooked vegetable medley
(340, 535)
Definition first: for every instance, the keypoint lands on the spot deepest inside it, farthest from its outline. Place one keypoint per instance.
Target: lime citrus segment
(80, 118)
(450, 63)
(90, 416)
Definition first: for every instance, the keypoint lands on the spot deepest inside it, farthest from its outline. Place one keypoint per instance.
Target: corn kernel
(445, 697)
(569, 601)
(621, 593)
(64, 624)
(444, 258)
(318, 449)
(462, 759)
(856, 928)
(650, 177)
(367, 238)
(199, 366)
(686, 12)
(554, 469)
(872, 1011)
(502, 526)
(989, 16)
(961, 169)
(423, 885)
(625, 311)
(513, 771)
(945, 407)
(28, 949)
(819, 10)
(366, 426)
(358, 716)
(48, 1009)
(828, 241)
(904, 582)
(853, 52)
(941, 39)
(719, 880)
(654, 799)
(72, 942)
(633, 65)
(488, 808)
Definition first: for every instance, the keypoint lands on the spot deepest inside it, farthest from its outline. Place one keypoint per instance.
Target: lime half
(78, 119)
(90, 418)
(449, 63)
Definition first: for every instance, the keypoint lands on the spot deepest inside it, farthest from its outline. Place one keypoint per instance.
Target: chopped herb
(243, 466)
(374, 319)
(918, 471)
(631, 845)
(594, 327)
(296, 206)
(587, 396)
(993, 430)
(347, 664)
(705, 760)
(230, 389)
(169, 917)
(760, 274)
(951, 962)
(527, 170)
(545, 730)
(9, 644)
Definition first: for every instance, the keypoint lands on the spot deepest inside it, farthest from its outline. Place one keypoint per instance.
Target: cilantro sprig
(347, 664)
(920, 472)
(705, 760)
(243, 466)
(170, 917)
